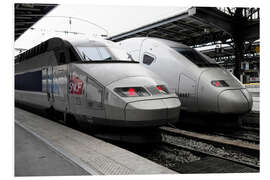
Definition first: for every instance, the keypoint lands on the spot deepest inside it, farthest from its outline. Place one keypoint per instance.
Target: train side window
(147, 59)
(30, 81)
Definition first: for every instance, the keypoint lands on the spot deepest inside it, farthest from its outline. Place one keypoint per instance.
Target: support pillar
(239, 47)
(239, 42)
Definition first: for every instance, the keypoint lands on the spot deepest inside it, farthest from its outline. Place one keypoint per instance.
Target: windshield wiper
(110, 61)
(84, 57)
(107, 59)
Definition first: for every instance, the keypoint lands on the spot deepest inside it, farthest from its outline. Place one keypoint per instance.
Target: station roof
(196, 26)
(26, 15)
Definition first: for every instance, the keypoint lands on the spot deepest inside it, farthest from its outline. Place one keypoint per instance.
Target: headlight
(162, 89)
(219, 83)
(131, 91)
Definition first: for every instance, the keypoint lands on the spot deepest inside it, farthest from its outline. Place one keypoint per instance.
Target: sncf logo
(75, 85)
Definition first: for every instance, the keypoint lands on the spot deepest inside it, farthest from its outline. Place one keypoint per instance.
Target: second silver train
(200, 83)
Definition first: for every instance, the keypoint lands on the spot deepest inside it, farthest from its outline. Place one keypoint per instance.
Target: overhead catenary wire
(83, 20)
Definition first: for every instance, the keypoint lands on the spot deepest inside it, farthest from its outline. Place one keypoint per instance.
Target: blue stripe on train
(31, 81)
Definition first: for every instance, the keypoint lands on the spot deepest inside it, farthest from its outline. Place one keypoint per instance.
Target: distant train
(94, 81)
(200, 83)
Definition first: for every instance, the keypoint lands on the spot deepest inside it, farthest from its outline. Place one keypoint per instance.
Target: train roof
(84, 41)
(56, 42)
(163, 41)
(47, 45)
(170, 43)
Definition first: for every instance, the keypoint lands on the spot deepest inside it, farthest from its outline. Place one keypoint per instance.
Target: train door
(95, 98)
(50, 93)
(187, 92)
(67, 96)
(45, 85)
(60, 88)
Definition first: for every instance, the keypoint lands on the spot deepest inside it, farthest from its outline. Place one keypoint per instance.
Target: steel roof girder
(24, 17)
(251, 31)
(150, 26)
(213, 17)
(230, 24)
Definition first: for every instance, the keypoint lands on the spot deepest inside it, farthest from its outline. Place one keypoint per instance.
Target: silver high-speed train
(201, 84)
(94, 81)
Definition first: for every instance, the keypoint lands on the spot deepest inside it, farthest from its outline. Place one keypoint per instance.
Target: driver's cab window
(94, 53)
(104, 53)
(89, 53)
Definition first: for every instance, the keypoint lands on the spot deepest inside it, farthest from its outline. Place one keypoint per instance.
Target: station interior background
(252, 71)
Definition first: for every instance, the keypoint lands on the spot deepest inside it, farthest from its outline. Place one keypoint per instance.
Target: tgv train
(94, 81)
(201, 84)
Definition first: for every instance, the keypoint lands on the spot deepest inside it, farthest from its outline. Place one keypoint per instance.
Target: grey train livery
(94, 81)
(200, 83)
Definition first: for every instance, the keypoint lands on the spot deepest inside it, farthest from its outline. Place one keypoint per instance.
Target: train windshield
(195, 57)
(104, 54)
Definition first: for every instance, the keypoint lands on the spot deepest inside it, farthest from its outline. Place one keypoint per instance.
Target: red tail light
(131, 92)
(220, 83)
(162, 89)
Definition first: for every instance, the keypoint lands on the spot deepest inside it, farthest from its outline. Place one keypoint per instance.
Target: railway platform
(253, 118)
(33, 157)
(254, 90)
(44, 147)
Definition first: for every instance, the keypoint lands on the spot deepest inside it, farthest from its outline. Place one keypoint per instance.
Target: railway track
(244, 135)
(186, 160)
(254, 129)
(247, 130)
(251, 120)
(217, 146)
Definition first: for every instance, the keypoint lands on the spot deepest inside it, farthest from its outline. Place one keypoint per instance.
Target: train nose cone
(153, 112)
(232, 102)
(249, 98)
